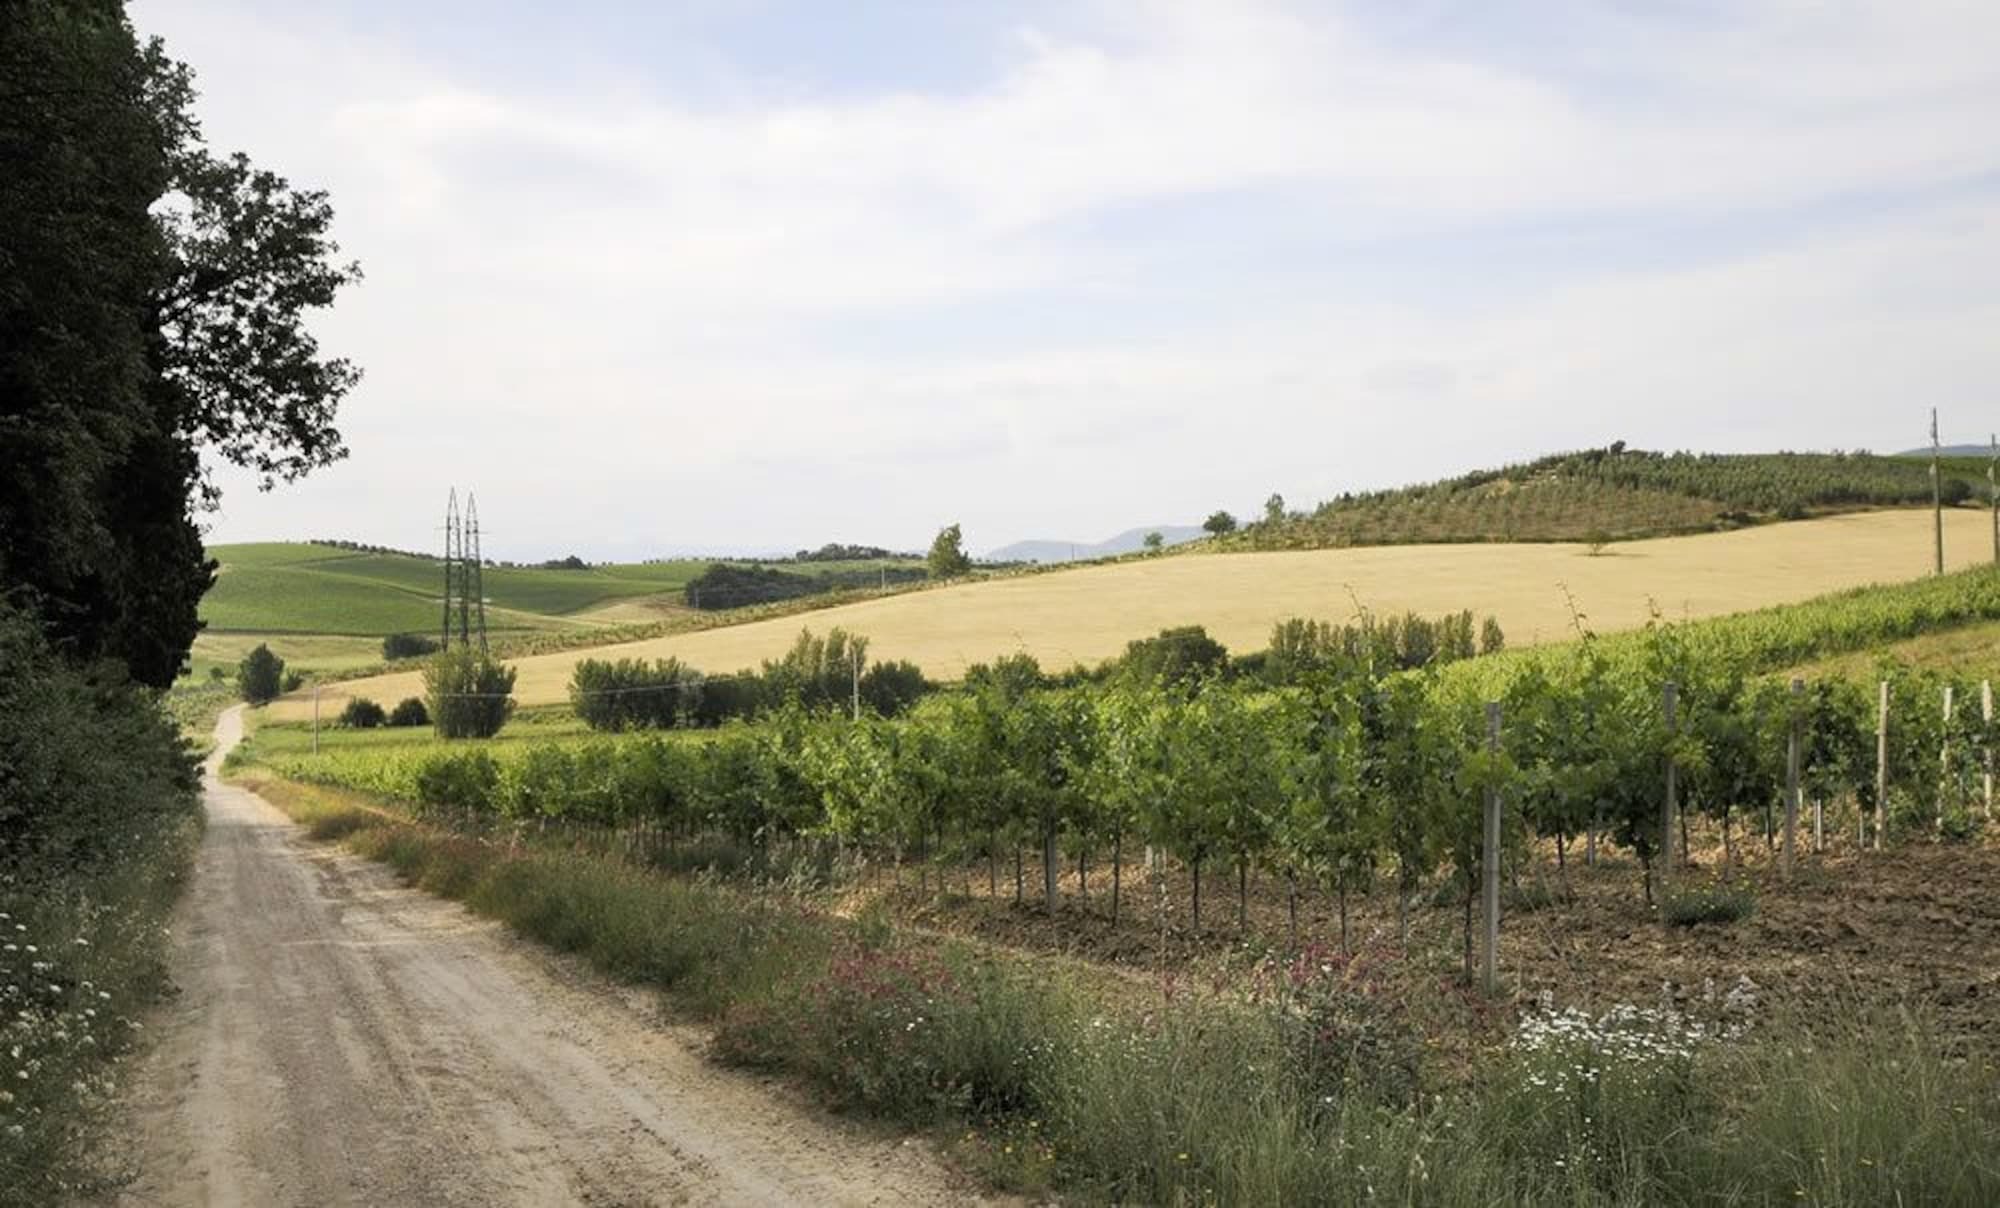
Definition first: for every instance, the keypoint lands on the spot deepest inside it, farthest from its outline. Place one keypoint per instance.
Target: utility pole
(1993, 489)
(450, 539)
(470, 573)
(1937, 495)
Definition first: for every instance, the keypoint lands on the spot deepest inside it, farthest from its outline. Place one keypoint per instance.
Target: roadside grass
(1307, 1085)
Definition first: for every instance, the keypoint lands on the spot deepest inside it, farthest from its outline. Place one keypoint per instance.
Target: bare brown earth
(341, 1039)
(1917, 925)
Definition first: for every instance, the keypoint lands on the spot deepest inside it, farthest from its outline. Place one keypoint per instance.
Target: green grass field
(325, 609)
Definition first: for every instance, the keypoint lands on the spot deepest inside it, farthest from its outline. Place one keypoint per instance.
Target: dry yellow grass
(1088, 615)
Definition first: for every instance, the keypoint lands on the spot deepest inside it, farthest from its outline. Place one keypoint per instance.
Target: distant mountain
(1129, 541)
(1952, 451)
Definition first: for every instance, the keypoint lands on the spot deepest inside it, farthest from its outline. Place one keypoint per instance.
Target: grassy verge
(1308, 1084)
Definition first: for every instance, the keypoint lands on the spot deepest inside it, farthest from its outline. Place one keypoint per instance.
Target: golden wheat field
(1087, 615)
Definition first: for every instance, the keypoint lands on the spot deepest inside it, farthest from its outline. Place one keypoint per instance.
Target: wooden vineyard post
(1881, 764)
(1819, 821)
(1669, 694)
(1944, 757)
(1491, 859)
(1986, 715)
(1792, 780)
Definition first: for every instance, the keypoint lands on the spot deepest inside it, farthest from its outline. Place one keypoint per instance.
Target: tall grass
(1319, 1092)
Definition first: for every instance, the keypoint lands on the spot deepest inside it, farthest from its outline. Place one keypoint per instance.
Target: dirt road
(341, 1039)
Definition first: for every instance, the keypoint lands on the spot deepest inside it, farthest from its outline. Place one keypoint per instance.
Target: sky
(653, 276)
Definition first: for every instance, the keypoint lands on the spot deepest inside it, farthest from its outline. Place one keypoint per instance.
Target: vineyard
(1617, 494)
(1348, 771)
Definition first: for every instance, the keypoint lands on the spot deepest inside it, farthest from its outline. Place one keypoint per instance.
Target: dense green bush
(631, 694)
(360, 713)
(409, 712)
(408, 646)
(260, 676)
(470, 693)
(891, 688)
(98, 820)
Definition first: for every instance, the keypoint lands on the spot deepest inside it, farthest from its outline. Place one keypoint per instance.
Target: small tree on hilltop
(1154, 541)
(1274, 509)
(1219, 523)
(471, 693)
(260, 675)
(947, 557)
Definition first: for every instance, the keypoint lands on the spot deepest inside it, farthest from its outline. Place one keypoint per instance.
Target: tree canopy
(153, 306)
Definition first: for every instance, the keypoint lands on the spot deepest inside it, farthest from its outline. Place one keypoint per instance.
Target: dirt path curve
(341, 1039)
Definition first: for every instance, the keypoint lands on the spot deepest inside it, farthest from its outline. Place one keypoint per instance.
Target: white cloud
(630, 297)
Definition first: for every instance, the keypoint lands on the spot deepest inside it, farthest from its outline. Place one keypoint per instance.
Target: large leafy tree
(153, 300)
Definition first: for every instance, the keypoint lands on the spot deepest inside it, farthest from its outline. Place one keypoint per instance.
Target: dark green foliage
(1180, 656)
(890, 688)
(1301, 648)
(133, 335)
(631, 695)
(817, 672)
(1012, 676)
(728, 697)
(260, 676)
(409, 712)
(98, 823)
(947, 559)
(361, 713)
(726, 585)
(572, 562)
(85, 757)
(470, 693)
(1219, 524)
(408, 646)
(294, 680)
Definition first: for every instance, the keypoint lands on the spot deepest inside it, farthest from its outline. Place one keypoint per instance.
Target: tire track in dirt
(342, 1039)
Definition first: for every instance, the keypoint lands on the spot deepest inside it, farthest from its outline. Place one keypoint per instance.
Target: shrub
(890, 688)
(1719, 903)
(632, 695)
(362, 714)
(724, 585)
(410, 712)
(471, 693)
(294, 680)
(260, 676)
(408, 646)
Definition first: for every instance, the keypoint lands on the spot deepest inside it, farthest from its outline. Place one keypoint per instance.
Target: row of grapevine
(1329, 783)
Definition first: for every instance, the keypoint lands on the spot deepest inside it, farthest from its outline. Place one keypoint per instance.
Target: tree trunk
(1083, 874)
(1017, 874)
(1728, 849)
(1292, 906)
(1403, 913)
(1195, 867)
(1342, 889)
(1117, 870)
(1049, 888)
(992, 865)
(1242, 893)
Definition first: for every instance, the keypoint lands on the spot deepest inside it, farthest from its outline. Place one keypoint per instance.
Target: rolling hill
(1617, 494)
(327, 608)
(1087, 614)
